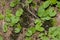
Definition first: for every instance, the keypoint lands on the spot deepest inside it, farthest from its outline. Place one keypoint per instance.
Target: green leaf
(8, 15)
(46, 18)
(52, 29)
(18, 28)
(45, 4)
(19, 12)
(51, 12)
(38, 25)
(7, 19)
(53, 1)
(38, 28)
(28, 38)
(14, 20)
(38, 21)
(55, 39)
(1, 16)
(58, 4)
(44, 38)
(28, 1)
(46, 14)
(41, 12)
(14, 3)
(41, 34)
(8, 11)
(5, 28)
(30, 31)
(54, 32)
(1, 38)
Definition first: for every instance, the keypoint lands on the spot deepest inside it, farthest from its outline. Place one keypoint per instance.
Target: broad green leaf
(41, 34)
(41, 12)
(55, 39)
(5, 28)
(18, 28)
(51, 11)
(14, 3)
(54, 32)
(38, 21)
(1, 38)
(38, 28)
(45, 4)
(58, 4)
(30, 31)
(8, 15)
(28, 38)
(8, 11)
(28, 1)
(19, 12)
(38, 25)
(46, 18)
(53, 1)
(7, 19)
(1, 16)
(44, 38)
(52, 29)
(14, 20)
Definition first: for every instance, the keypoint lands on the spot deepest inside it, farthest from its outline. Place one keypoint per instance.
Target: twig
(31, 13)
(23, 5)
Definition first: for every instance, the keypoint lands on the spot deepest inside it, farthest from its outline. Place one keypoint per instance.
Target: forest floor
(27, 20)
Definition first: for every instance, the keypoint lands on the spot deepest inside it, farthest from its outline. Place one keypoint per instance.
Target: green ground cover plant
(46, 12)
